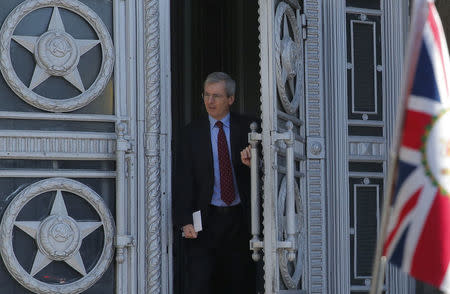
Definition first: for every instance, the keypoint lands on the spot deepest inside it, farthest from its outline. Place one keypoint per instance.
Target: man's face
(216, 101)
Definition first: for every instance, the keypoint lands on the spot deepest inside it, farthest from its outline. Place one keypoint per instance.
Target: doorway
(209, 36)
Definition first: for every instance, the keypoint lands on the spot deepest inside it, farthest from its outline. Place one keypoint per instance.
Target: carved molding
(316, 274)
(55, 144)
(56, 64)
(63, 230)
(152, 147)
(316, 277)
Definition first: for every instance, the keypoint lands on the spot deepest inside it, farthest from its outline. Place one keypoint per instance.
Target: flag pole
(419, 16)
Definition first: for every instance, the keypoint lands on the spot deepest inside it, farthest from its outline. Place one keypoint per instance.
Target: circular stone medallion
(57, 53)
(59, 237)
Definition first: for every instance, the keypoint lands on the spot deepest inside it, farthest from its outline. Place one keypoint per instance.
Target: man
(211, 178)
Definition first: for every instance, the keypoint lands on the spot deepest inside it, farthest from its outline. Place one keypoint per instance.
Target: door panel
(62, 163)
(363, 57)
(283, 146)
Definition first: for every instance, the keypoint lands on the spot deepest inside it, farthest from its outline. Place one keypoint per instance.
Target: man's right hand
(189, 231)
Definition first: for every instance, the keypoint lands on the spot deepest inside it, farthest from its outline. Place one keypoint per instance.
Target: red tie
(227, 193)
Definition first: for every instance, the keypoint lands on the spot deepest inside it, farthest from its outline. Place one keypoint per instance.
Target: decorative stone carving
(58, 236)
(58, 145)
(288, 58)
(315, 147)
(291, 278)
(153, 250)
(57, 54)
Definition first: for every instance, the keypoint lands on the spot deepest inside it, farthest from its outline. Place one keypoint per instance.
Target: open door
(283, 138)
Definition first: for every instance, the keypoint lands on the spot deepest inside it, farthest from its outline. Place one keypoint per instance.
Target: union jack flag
(418, 230)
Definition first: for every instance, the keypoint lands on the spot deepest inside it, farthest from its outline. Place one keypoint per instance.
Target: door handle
(290, 196)
(255, 243)
(289, 243)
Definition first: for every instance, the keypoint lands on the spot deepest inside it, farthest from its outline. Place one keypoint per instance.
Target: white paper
(197, 217)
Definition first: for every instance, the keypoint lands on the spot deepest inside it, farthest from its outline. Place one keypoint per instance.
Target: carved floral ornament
(288, 56)
(58, 236)
(56, 53)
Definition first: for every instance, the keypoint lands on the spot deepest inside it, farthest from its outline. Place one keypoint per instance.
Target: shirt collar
(225, 121)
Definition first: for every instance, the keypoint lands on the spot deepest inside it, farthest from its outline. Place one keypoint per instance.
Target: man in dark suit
(212, 177)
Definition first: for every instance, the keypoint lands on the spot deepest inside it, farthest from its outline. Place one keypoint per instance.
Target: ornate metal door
(283, 139)
(363, 61)
(65, 136)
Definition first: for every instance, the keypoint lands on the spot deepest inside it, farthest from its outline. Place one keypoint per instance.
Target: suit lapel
(235, 134)
(205, 141)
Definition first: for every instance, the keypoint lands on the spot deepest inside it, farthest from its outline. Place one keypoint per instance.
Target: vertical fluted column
(152, 146)
(335, 91)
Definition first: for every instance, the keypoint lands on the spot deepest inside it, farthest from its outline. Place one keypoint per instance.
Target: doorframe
(154, 237)
(154, 273)
(166, 148)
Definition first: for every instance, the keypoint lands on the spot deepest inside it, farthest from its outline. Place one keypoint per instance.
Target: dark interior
(208, 36)
(443, 8)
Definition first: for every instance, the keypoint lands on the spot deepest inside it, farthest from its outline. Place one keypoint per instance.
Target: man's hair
(217, 77)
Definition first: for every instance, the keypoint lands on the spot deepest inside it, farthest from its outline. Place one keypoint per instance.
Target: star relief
(56, 53)
(58, 237)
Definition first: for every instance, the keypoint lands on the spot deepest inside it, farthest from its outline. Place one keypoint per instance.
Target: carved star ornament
(58, 236)
(57, 53)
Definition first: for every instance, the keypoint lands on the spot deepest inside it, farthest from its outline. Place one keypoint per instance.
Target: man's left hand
(246, 156)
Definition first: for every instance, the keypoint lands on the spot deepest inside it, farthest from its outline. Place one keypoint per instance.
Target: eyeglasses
(213, 96)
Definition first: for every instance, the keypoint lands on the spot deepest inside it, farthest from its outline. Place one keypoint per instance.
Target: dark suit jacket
(194, 175)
